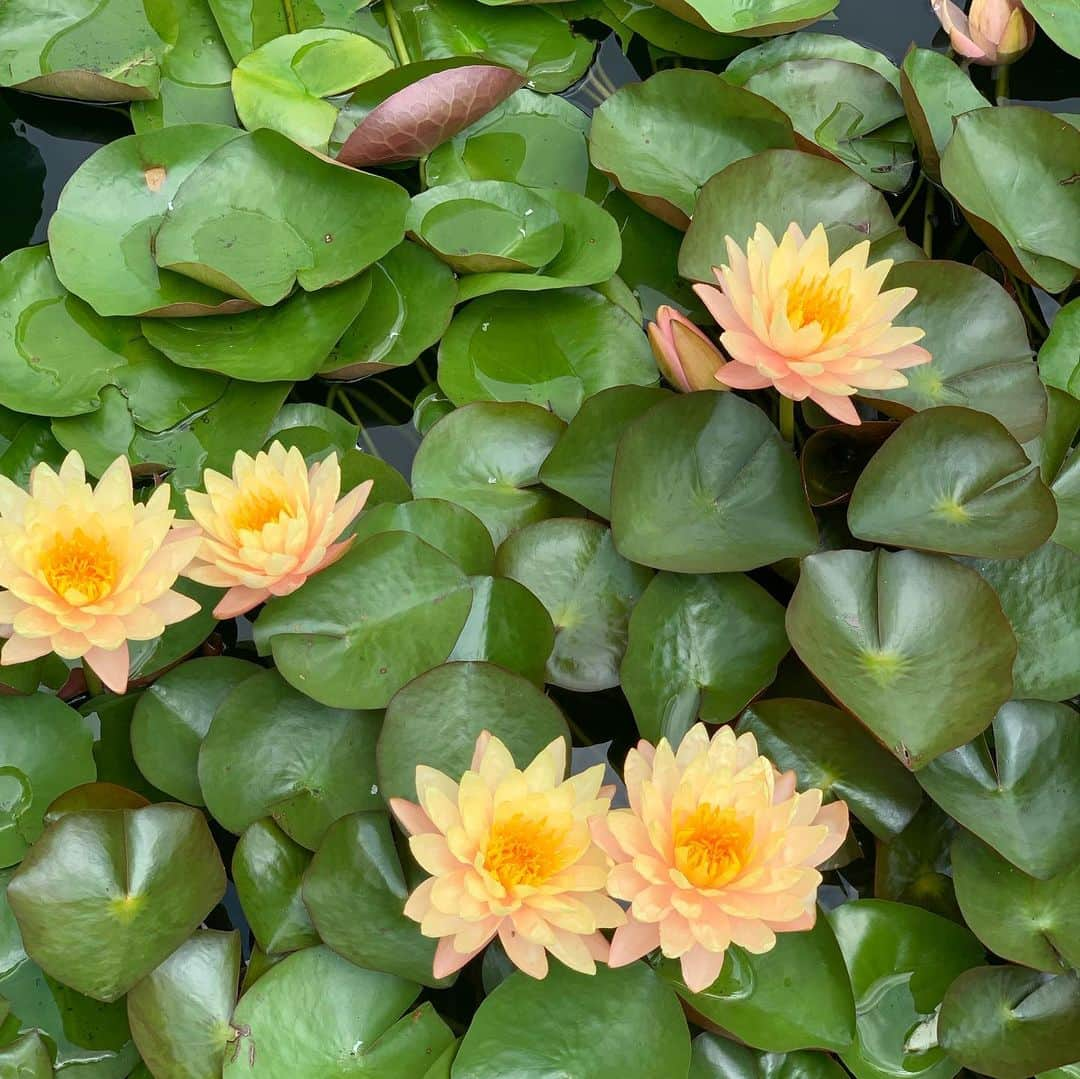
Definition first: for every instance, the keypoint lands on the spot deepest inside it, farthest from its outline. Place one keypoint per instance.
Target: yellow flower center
(257, 508)
(79, 568)
(822, 300)
(712, 845)
(523, 850)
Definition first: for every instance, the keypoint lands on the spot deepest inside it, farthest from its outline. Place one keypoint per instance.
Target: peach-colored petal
(447, 960)
(525, 954)
(700, 968)
(110, 666)
(411, 817)
(239, 600)
(632, 941)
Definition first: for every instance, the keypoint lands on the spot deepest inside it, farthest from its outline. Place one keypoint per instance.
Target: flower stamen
(712, 845)
(81, 569)
(522, 850)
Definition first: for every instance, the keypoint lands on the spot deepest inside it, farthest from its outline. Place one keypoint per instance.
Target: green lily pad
(935, 92)
(391, 608)
(554, 349)
(45, 748)
(272, 751)
(412, 299)
(356, 893)
(104, 897)
(897, 638)
(752, 998)
(180, 1012)
(1060, 20)
(507, 626)
(606, 1026)
(290, 341)
(268, 868)
(94, 796)
(1040, 594)
(436, 719)
(750, 18)
(901, 960)
(244, 221)
(27, 1057)
(1009, 1022)
(978, 341)
(661, 139)
(661, 28)
(102, 234)
(699, 647)
(572, 567)
(1021, 797)
(318, 1015)
(537, 140)
(583, 459)
(1011, 171)
(827, 749)
(730, 487)
(536, 42)
(717, 1058)
(487, 457)
(1017, 916)
(172, 717)
(915, 866)
(1059, 358)
(108, 718)
(281, 85)
(93, 51)
(777, 187)
(953, 480)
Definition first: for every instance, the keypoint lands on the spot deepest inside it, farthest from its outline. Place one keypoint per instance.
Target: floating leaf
(104, 897)
(436, 719)
(245, 220)
(752, 18)
(1013, 172)
(1059, 358)
(915, 868)
(729, 485)
(272, 751)
(1060, 20)
(27, 1057)
(897, 638)
(1023, 798)
(718, 1058)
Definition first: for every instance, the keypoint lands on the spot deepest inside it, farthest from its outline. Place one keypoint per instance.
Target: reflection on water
(888, 25)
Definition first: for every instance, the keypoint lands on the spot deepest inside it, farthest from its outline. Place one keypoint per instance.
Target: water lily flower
(717, 848)
(271, 526)
(687, 358)
(510, 853)
(88, 569)
(810, 327)
(993, 32)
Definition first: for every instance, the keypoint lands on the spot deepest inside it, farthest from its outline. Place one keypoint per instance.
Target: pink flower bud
(992, 32)
(687, 358)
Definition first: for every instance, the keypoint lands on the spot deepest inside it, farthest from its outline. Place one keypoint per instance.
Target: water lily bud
(992, 32)
(687, 358)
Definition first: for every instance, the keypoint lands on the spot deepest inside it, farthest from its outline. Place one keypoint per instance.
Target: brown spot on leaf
(155, 176)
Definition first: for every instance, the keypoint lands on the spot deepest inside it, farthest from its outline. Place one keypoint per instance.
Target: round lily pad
(993, 157)
(391, 608)
(751, 18)
(436, 719)
(897, 638)
(729, 486)
(588, 588)
(661, 139)
(718, 1058)
(553, 349)
(102, 234)
(245, 221)
(272, 751)
(699, 647)
(105, 896)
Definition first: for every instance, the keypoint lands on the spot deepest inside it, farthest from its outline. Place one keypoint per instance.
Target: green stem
(396, 37)
(376, 409)
(395, 392)
(1034, 321)
(290, 17)
(928, 223)
(353, 415)
(911, 197)
(787, 419)
(1001, 84)
(425, 374)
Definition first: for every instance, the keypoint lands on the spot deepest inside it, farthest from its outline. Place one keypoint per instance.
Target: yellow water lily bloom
(717, 848)
(88, 569)
(270, 526)
(510, 853)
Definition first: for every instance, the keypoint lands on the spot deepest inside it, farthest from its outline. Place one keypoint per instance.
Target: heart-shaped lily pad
(245, 221)
(588, 588)
(914, 645)
(272, 751)
(915, 867)
(953, 480)
(699, 647)
(1022, 797)
(730, 487)
(105, 896)
(554, 349)
(180, 1012)
(718, 1058)
(356, 893)
(391, 608)
(102, 234)
(751, 18)
(995, 153)
(661, 139)
(282, 84)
